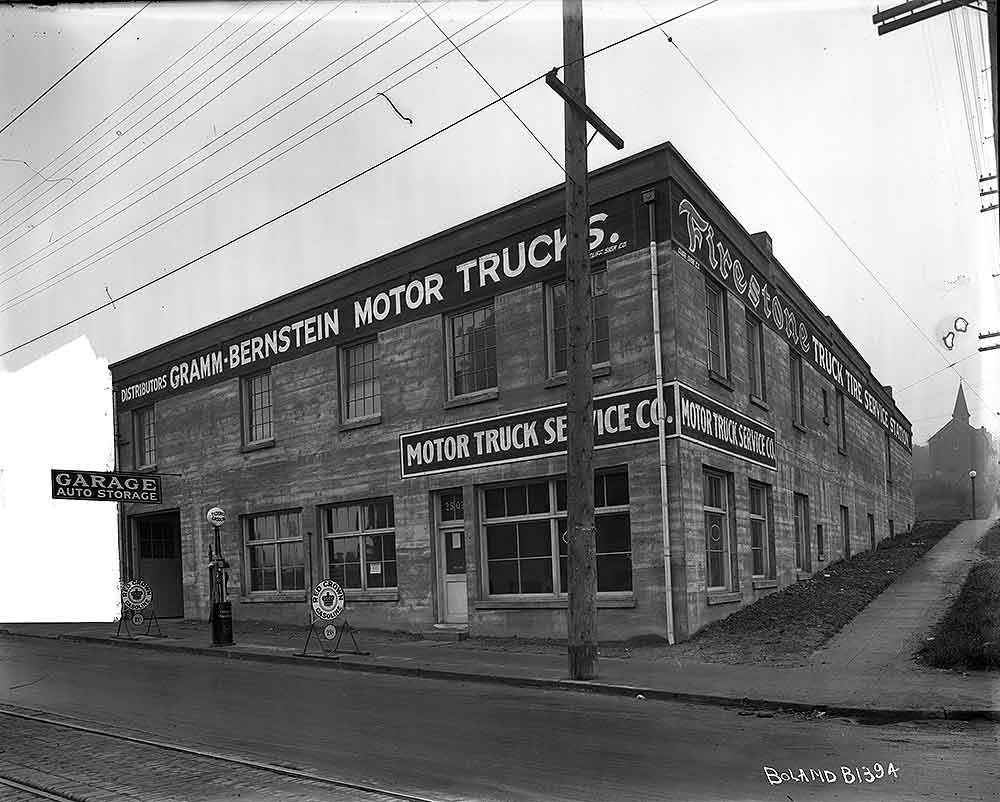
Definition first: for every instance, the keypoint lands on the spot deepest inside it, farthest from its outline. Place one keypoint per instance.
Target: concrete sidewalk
(874, 693)
(884, 636)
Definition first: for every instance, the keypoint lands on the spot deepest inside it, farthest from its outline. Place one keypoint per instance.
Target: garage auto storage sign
(100, 486)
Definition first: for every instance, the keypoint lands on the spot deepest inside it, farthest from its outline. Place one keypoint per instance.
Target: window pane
(616, 489)
(561, 494)
(538, 497)
(503, 576)
(536, 575)
(534, 539)
(613, 533)
(373, 549)
(292, 566)
(756, 500)
(495, 507)
(452, 506)
(517, 500)
(614, 572)
(501, 541)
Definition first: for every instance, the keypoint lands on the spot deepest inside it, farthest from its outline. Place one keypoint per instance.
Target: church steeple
(961, 412)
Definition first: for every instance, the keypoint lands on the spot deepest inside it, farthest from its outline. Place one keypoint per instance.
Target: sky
(881, 226)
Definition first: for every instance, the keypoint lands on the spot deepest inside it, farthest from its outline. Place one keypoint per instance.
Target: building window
(274, 557)
(871, 530)
(361, 544)
(473, 344)
(845, 528)
(826, 407)
(888, 457)
(761, 530)
(144, 422)
(715, 325)
(257, 426)
(755, 358)
(720, 555)
(841, 423)
(803, 560)
(452, 506)
(892, 529)
(820, 544)
(558, 337)
(527, 544)
(798, 389)
(362, 391)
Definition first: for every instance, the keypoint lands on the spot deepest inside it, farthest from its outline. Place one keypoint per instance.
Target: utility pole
(581, 618)
(581, 621)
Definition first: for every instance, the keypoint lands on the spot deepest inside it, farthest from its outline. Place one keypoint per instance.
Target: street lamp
(972, 478)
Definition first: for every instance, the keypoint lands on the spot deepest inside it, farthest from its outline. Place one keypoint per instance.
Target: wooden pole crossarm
(582, 108)
(899, 21)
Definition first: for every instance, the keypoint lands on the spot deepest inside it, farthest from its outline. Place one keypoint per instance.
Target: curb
(867, 715)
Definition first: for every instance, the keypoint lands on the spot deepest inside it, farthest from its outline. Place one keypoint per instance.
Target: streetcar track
(37, 790)
(21, 713)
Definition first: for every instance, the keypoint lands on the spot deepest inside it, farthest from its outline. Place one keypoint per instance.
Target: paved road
(450, 740)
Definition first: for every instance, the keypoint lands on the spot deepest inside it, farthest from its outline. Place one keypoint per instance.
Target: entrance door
(451, 548)
(158, 541)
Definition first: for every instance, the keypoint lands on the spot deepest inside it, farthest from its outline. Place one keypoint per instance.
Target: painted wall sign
(625, 417)
(712, 251)
(704, 420)
(142, 488)
(532, 256)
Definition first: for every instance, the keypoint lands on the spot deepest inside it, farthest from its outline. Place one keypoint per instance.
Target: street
(445, 740)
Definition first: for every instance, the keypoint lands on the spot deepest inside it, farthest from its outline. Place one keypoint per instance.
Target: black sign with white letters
(130, 488)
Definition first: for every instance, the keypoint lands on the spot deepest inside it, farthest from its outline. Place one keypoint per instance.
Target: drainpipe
(649, 198)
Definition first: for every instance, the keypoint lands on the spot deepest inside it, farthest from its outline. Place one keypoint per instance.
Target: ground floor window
(761, 530)
(526, 543)
(871, 529)
(803, 560)
(273, 553)
(845, 528)
(360, 542)
(720, 555)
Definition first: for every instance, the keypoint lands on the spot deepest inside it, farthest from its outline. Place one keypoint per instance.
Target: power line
(207, 145)
(66, 74)
(150, 128)
(338, 185)
(129, 99)
(820, 214)
(58, 278)
(495, 92)
(935, 373)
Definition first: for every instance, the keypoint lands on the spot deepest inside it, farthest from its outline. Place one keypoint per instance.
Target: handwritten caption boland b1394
(849, 775)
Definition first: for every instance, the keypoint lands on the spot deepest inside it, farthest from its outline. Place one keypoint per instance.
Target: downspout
(122, 565)
(649, 198)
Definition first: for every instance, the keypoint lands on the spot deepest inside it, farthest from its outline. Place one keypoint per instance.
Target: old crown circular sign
(216, 516)
(328, 600)
(136, 595)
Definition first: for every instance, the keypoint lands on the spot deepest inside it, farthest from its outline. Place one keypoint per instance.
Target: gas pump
(221, 617)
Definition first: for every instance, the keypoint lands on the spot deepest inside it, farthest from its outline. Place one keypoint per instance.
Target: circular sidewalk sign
(216, 516)
(329, 632)
(137, 619)
(328, 600)
(136, 595)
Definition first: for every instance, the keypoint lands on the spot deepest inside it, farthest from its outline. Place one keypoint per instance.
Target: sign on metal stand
(326, 609)
(137, 607)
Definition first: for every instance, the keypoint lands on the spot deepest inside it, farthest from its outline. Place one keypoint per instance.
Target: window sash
(798, 390)
(473, 352)
(285, 571)
(761, 532)
(257, 408)
(600, 328)
(715, 325)
(369, 527)
(145, 437)
(362, 390)
(755, 358)
(803, 560)
(841, 421)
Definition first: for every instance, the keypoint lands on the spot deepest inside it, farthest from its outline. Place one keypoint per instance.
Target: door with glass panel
(450, 526)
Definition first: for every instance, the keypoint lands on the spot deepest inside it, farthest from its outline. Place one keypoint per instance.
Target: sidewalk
(873, 693)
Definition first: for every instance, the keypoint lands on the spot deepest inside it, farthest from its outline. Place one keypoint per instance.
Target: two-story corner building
(399, 427)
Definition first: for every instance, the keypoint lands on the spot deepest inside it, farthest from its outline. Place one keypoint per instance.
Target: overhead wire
(66, 74)
(85, 263)
(818, 212)
(128, 99)
(485, 80)
(274, 100)
(339, 185)
(17, 211)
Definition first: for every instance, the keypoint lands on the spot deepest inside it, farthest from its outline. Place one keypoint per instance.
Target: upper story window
(798, 389)
(144, 424)
(755, 358)
(888, 457)
(273, 553)
(362, 391)
(716, 328)
(526, 541)
(257, 407)
(841, 423)
(472, 349)
(361, 544)
(558, 337)
(826, 407)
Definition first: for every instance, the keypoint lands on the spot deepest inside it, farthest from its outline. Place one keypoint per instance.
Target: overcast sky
(874, 130)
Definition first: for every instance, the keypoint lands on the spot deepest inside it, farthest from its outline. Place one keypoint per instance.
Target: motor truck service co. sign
(631, 416)
(100, 486)
(519, 260)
